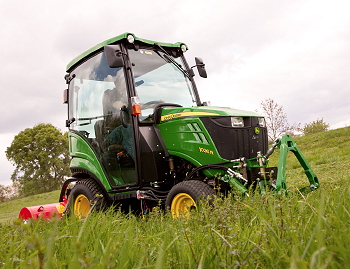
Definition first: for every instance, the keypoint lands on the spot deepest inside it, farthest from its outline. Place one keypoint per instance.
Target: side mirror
(201, 67)
(114, 56)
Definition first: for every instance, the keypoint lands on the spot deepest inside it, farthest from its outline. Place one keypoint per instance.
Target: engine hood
(171, 113)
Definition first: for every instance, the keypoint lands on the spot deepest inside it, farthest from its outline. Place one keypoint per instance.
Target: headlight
(183, 47)
(262, 122)
(237, 122)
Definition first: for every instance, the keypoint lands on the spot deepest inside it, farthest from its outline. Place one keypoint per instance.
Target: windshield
(158, 80)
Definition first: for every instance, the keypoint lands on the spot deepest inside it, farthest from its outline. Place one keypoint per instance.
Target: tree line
(41, 159)
(41, 154)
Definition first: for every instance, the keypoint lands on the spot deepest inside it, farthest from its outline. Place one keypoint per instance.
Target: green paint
(286, 144)
(83, 156)
(115, 39)
(211, 110)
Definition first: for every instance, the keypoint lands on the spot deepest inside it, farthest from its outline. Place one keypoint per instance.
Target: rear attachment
(45, 212)
(48, 211)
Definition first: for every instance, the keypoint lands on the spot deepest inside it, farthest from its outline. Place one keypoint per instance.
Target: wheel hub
(81, 206)
(182, 204)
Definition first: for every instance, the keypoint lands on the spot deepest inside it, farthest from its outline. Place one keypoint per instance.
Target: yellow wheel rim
(181, 205)
(81, 206)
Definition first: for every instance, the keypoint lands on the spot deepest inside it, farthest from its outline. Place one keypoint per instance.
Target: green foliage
(41, 158)
(315, 127)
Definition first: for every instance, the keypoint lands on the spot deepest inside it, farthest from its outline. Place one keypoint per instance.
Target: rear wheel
(184, 196)
(86, 196)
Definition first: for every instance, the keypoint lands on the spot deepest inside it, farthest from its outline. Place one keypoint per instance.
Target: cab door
(99, 105)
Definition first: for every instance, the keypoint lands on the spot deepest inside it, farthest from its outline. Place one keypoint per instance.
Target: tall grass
(259, 232)
(327, 153)
(294, 231)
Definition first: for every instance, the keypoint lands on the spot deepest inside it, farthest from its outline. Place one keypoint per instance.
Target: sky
(294, 52)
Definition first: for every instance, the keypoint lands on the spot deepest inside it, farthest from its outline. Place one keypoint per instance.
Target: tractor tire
(185, 196)
(85, 196)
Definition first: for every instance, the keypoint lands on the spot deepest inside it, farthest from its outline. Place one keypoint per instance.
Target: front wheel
(184, 196)
(85, 196)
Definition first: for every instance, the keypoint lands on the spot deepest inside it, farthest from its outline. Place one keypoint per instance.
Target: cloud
(295, 52)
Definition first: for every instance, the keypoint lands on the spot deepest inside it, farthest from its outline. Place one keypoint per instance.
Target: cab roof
(112, 40)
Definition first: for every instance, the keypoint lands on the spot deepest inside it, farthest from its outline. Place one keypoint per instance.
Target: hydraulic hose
(216, 166)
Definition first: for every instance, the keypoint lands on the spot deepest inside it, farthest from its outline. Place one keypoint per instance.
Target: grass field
(10, 210)
(311, 231)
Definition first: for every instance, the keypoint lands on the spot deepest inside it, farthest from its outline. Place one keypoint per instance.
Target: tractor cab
(116, 90)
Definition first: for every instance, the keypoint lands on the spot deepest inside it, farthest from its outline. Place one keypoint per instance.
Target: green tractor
(140, 136)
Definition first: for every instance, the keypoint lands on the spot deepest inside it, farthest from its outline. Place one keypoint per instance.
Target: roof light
(183, 47)
(130, 39)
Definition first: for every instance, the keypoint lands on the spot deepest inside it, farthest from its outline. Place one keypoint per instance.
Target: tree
(315, 127)
(276, 120)
(4, 190)
(8, 192)
(41, 158)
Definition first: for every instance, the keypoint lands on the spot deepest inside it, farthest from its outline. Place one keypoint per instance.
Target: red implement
(46, 212)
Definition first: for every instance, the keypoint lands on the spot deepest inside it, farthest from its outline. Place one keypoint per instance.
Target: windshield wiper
(93, 118)
(170, 59)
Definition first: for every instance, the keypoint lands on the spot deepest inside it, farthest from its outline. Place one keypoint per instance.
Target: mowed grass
(294, 231)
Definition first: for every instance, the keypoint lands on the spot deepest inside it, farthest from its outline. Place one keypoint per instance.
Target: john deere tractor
(140, 136)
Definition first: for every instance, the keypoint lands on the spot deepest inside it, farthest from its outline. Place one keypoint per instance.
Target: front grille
(232, 142)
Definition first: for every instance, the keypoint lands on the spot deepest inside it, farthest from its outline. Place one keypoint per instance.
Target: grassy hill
(327, 152)
(296, 231)
(9, 210)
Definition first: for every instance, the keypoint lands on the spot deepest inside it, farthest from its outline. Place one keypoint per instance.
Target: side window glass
(97, 95)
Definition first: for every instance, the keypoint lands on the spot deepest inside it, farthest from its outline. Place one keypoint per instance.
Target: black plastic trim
(158, 110)
(80, 173)
(236, 142)
(122, 196)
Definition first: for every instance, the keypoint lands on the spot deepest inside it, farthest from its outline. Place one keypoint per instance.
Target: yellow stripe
(186, 114)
